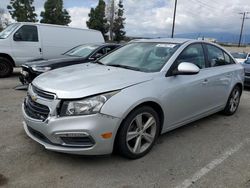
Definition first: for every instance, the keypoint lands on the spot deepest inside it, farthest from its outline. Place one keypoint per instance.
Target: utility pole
(242, 25)
(112, 16)
(175, 5)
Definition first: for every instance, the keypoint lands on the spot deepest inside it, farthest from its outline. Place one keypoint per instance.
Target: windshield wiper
(72, 55)
(125, 67)
(98, 62)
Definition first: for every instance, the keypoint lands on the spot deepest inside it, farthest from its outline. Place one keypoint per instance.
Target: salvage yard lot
(212, 152)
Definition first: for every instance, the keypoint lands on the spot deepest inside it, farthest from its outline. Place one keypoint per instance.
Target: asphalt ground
(212, 152)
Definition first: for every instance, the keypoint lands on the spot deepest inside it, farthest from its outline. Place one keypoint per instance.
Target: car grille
(35, 110)
(43, 94)
(247, 74)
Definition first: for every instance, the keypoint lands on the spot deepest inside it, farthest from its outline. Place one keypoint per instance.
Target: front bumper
(92, 125)
(26, 76)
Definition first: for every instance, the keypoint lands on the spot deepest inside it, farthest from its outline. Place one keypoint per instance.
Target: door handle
(205, 81)
(229, 75)
(40, 50)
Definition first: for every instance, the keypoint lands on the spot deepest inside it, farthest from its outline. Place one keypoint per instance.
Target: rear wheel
(138, 132)
(233, 101)
(6, 67)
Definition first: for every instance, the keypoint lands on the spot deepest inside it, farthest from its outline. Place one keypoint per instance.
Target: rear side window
(228, 59)
(193, 54)
(102, 51)
(28, 33)
(217, 57)
(107, 49)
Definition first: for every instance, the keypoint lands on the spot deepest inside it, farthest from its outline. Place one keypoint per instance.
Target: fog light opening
(77, 139)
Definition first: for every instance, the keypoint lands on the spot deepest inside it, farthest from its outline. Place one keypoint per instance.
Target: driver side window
(28, 33)
(193, 54)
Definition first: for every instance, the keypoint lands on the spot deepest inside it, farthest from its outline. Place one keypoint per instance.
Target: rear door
(26, 44)
(220, 75)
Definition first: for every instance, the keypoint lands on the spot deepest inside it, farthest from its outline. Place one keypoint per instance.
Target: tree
(97, 19)
(119, 23)
(110, 14)
(4, 20)
(22, 10)
(54, 13)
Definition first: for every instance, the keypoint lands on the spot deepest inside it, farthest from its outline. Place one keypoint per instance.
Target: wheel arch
(7, 56)
(240, 85)
(157, 107)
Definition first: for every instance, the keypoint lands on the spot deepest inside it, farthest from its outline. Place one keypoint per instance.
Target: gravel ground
(212, 152)
(236, 49)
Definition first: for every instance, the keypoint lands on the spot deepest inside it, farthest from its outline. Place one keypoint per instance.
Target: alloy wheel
(234, 101)
(141, 133)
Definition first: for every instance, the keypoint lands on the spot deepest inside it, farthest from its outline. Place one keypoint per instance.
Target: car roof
(100, 44)
(54, 25)
(167, 40)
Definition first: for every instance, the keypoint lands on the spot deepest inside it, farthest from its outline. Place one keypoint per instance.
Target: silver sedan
(126, 99)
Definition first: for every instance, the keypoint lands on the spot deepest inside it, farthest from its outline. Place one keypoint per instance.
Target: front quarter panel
(6, 48)
(121, 104)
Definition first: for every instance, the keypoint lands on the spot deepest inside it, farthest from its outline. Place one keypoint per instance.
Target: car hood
(83, 80)
(52, 62)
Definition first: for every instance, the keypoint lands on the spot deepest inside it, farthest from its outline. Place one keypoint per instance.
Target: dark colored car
(246, 65)
(80, 54)
(240, 57)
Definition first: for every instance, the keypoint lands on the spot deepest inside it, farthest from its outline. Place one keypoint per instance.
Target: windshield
(82, 51)
(239, 55)
(8, 30)
(146, 57)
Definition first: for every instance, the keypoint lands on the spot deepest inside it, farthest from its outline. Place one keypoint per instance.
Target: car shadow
(16, 72)
(247, 89)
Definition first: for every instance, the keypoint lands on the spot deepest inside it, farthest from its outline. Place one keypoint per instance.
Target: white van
(21, 42)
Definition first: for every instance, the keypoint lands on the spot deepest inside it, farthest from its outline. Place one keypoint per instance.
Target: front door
(187, 94)
(26, 44)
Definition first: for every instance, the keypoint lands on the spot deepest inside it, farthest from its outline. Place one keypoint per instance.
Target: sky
(154, 17)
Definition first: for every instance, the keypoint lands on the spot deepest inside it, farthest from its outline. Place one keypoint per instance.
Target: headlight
(87, 106)
(40, 69)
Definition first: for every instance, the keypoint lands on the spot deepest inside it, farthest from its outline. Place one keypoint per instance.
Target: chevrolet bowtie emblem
(33, 97)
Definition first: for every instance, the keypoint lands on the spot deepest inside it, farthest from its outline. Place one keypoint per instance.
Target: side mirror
(186, 68)
(17, 37)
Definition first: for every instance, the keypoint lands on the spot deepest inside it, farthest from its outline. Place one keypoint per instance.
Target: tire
(6, 67)
(233, 101)
(141, 138)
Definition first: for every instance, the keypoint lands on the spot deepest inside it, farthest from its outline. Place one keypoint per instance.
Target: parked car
(246, 66)
(129, 97)
(21, 42)
(80, 54)
(240, 57)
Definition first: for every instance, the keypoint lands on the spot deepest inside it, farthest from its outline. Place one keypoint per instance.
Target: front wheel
(138, 132)
(233, 101)
(6, 67)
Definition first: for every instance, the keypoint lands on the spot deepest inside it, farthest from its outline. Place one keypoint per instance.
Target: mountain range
(220, 37)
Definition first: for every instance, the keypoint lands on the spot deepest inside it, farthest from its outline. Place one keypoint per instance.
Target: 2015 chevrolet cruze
(126, 99)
